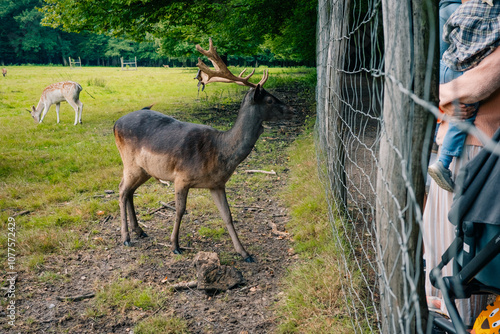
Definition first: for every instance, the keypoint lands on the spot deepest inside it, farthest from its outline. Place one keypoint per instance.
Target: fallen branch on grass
(272, 172)
(163, 206)
(184, 285)
(154, 211)
(169, 246)
(106, 219)
(76, 298)
(168, 206)
(22, 213)
(248, 207)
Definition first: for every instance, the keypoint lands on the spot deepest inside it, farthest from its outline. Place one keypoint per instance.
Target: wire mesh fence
(369, 157)
(349, 100)
(377, 106)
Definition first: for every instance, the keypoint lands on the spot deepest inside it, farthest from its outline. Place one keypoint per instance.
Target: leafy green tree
(92, 48)
(8, 31)
(296, 39)
(22, 35)
(118, 47)
(240, 27)
(156, 31)
(147, 52)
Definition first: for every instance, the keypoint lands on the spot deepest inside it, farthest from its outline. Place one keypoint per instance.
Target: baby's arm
(475, 84)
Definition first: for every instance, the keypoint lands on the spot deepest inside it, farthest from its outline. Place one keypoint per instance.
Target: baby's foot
(442, 176)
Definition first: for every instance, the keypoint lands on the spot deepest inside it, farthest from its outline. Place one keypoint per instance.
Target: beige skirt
(439, 233)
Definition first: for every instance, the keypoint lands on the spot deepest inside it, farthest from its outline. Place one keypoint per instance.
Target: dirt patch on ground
(247, 308)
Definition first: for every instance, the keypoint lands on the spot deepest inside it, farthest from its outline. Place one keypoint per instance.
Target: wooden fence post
(73, 63)
(126, 64)
(333, 52)
(406, 36)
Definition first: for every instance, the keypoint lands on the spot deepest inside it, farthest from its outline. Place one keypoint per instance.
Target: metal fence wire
(376, 99)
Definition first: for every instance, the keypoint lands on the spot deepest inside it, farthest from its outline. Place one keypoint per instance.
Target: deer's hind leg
(78, 107)
(131, 180)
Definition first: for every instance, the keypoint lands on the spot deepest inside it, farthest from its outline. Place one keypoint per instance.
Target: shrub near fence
(376, 87)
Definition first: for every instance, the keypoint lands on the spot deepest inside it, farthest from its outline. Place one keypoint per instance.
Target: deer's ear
(258, 93)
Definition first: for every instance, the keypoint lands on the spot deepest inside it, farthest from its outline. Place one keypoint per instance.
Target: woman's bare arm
(475, 84)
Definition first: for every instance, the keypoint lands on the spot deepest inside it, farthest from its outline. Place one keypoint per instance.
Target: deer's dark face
(272, 108)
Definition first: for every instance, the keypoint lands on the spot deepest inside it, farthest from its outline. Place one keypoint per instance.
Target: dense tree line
(157, 32)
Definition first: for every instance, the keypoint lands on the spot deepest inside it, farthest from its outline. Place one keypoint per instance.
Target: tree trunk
(63, 53)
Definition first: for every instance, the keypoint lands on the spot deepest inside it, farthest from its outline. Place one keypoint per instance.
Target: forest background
(251, 32)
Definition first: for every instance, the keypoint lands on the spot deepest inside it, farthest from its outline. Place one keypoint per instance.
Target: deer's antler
(221, 73)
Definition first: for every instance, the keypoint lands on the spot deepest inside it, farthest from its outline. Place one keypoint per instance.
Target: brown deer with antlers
(192, 155)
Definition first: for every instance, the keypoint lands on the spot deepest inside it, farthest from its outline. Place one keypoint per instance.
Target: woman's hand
(460, 111)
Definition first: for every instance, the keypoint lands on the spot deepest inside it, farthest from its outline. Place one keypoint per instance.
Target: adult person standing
(481, 83)
(446, 8)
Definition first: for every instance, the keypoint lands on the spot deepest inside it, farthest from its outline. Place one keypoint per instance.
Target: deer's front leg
(45, 110)
(181, 194)
(58, 105)
(219, 196)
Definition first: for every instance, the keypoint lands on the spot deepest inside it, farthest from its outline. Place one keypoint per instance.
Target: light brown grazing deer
(55, 94)
(4, 71)
(191, 155)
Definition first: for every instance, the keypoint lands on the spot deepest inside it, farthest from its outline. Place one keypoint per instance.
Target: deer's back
(165, 147)
(62, 91)
(158, 132)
